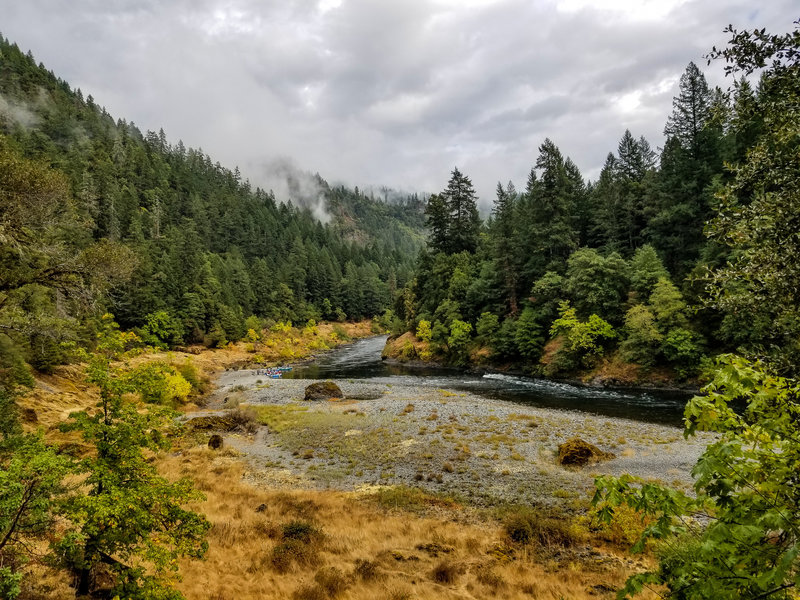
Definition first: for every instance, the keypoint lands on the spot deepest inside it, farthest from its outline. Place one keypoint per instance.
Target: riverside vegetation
(96, 217)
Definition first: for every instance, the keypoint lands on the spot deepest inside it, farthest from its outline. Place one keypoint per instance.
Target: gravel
(483, 450)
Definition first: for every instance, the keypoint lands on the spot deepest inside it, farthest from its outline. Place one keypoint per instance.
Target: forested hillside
(653, 264)
(97, 216)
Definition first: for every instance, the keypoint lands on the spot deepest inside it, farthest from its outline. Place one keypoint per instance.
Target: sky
(387, 93)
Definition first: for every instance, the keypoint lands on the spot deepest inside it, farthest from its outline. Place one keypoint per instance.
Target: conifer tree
(463, 211)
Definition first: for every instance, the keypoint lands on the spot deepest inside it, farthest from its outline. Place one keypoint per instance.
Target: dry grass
(348, 546)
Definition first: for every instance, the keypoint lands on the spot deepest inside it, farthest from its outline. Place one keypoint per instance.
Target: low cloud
(18, 114)
(291, 184)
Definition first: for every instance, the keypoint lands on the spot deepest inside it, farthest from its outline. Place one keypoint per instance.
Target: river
(362, 360)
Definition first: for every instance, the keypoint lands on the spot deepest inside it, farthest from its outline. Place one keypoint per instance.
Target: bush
(366, 570)
(331, 580)
(244, 419)
(746, 480)
(458, 339)
(583, 340)
(446, 572)
(682, 348)
(300, 544)
(159, 383)
(643, 337)
(424, 331)
(525, 526)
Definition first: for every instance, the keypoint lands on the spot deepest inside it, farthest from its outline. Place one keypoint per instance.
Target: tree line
(639, 262)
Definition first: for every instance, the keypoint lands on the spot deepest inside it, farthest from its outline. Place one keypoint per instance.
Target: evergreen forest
(672, 256)
(98, 217)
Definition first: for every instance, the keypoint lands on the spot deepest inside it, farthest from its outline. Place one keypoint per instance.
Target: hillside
(180, 235)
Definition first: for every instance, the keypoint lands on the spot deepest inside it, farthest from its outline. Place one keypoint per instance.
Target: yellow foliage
(176, 387)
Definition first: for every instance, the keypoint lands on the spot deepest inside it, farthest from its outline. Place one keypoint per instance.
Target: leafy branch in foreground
(740, 536)
(130, 518)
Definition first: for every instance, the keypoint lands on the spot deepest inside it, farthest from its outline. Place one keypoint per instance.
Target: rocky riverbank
(484, 451)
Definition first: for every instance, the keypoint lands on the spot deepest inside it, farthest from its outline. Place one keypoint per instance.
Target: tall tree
(689, 162)
(550, 208)
(503, 236)
(691, 110)
(462, 204)
(438, 219)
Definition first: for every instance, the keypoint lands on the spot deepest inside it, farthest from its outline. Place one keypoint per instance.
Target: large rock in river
(323, 390)
(577, 452)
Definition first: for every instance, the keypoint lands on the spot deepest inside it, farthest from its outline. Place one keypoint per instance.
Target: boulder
(577, 452)
(323, 390)
(215, 442)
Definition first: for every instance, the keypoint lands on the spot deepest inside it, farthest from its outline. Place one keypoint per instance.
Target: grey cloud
(382, 93)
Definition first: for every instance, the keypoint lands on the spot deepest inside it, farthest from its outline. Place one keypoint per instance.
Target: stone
(323, 390)
(215, 442)
(578, 453)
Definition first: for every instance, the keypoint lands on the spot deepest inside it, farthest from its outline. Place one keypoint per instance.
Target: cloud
(387, 93)
(17, 114)
(290, 184)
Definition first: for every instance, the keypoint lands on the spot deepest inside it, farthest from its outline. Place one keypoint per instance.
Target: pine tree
(503, 234)
(550, 208)
(436, 213)
(463, 211)
(691, 110)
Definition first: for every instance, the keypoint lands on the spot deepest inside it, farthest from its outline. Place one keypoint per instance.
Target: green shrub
(641, 344)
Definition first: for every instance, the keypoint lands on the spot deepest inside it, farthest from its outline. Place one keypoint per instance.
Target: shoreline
(488, 452)
(576, 381)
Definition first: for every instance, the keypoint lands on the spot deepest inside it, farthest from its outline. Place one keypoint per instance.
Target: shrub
(683, 349)
(331, 580)
(302, 531)
(643, 337)
(366, 570)
(446, 572)
(159, 383)
(583, 339)
(525, 526)
(458, 339)
(746, 481)
(244, 419)
(424, 330)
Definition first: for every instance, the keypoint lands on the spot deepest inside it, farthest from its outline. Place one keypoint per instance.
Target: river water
(362, 360)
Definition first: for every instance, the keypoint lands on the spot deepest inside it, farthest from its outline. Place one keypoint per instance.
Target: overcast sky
(395, 93)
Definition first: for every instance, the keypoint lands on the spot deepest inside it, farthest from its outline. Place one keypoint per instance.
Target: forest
(97, 216)
(664, 261)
